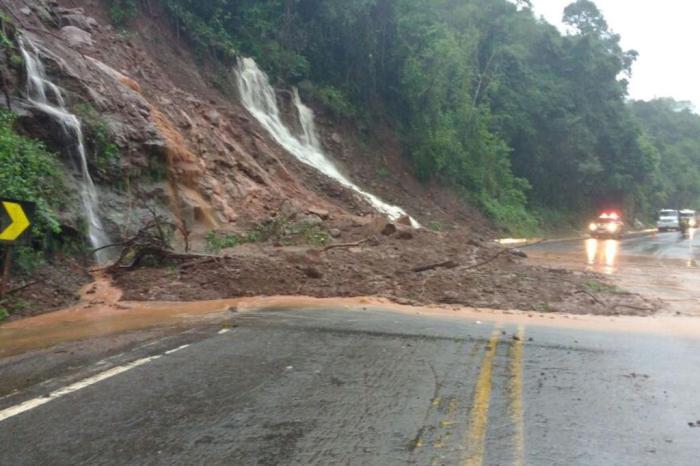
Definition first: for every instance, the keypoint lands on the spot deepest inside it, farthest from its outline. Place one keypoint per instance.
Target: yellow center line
(516, 396)
(476, 437)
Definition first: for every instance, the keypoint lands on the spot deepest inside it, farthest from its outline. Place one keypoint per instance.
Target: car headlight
(593, 227)
(612, 228)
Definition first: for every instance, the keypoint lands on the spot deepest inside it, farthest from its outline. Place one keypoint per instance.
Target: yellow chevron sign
(17, 213)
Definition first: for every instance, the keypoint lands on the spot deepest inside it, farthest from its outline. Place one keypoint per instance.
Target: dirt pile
(403, 265)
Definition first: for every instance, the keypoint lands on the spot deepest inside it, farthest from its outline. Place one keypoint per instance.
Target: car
(607, 225)
(668, 220)
(688, 216)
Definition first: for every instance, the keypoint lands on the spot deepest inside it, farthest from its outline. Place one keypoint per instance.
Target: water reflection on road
(602, 254)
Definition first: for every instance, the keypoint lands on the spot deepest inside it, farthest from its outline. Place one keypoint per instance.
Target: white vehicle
(668, 220)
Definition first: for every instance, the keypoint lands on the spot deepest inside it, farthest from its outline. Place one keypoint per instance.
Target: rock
(288, 210)
(213, 117)
(312, 272)
(404, 220)
(518, 253)
(186, 122)
(76, 37)
(321, 213)
(311, 220)
(450, 297)
(26, 11)
(80, 21)
(405, 234)
(334, 232)
(389, 229)
(335, 137)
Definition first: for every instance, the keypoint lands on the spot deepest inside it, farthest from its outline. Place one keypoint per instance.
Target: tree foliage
(487, 97)
(30, 173)
(673, 131)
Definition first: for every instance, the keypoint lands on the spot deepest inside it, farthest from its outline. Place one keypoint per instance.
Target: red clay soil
(475, 274)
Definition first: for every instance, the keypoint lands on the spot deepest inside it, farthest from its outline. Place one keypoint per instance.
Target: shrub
(30, 173)
(121, 11)
(217, 241)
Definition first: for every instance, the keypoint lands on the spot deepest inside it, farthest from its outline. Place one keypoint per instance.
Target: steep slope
(187, 149)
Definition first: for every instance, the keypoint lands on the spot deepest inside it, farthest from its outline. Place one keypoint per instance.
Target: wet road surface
(370, 387)
(661, 265)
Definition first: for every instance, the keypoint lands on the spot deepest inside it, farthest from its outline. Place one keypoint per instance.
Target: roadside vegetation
(526, 122)
(31, 173)
(283, 231)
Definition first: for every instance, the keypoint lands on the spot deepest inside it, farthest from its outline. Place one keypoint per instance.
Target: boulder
(404, 220)
(213, 117)
(405, 233)
(312, 272)
(76, 37)
(310, 220)
(79, 20)
(389, 229)
(321, 213)
(335, 233)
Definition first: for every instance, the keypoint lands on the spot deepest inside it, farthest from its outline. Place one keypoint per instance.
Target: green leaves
(29, 172)
(488, 99)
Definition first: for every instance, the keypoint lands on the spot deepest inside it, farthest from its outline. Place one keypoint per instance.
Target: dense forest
(528, 123)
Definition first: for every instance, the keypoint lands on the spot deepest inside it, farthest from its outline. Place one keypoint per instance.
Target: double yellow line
(476, 436)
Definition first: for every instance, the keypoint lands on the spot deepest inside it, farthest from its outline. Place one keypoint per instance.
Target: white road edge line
(61, 392)
(177, 349)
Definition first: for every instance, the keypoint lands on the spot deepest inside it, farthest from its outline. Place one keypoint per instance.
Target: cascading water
(40, 93)
(260, 100)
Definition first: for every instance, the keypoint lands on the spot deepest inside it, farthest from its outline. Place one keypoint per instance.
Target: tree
(585, 16)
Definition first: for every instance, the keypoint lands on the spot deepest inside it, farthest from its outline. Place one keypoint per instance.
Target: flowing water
(260, 100)
(47, 97)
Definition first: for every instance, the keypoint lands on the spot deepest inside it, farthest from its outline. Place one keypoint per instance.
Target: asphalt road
(661, 265)
(606, 255)
(370, 387)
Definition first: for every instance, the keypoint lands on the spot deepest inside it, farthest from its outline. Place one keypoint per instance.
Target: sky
(666, 35)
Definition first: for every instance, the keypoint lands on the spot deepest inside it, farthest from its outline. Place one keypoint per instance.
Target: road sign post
(14, 227)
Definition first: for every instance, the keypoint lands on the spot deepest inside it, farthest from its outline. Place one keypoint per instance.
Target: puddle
(101, 314)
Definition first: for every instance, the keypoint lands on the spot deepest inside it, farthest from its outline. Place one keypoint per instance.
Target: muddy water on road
(100, 318)
(663, 266)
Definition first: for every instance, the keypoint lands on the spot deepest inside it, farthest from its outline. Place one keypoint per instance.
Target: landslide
(191, 152)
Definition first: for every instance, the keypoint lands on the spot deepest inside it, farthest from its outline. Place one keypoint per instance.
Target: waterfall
(259, 98)
(47, 97)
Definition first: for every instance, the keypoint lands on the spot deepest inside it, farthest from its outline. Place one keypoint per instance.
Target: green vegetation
(30, 173)
(279, 230)
(598, 287)
(489, 99)
(217, 241)
(673, 130)
(121, 11)
(3, 314)
(435, 226)
(104, 152)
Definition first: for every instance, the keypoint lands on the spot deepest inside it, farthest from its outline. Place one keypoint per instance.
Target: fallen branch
(636, 308)
(206, 260)
(345, 245)
(449, 264)
(592, 297)
(20, 288)
(489, 260)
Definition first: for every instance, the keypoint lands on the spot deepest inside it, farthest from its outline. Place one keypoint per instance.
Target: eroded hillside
(166, 136)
